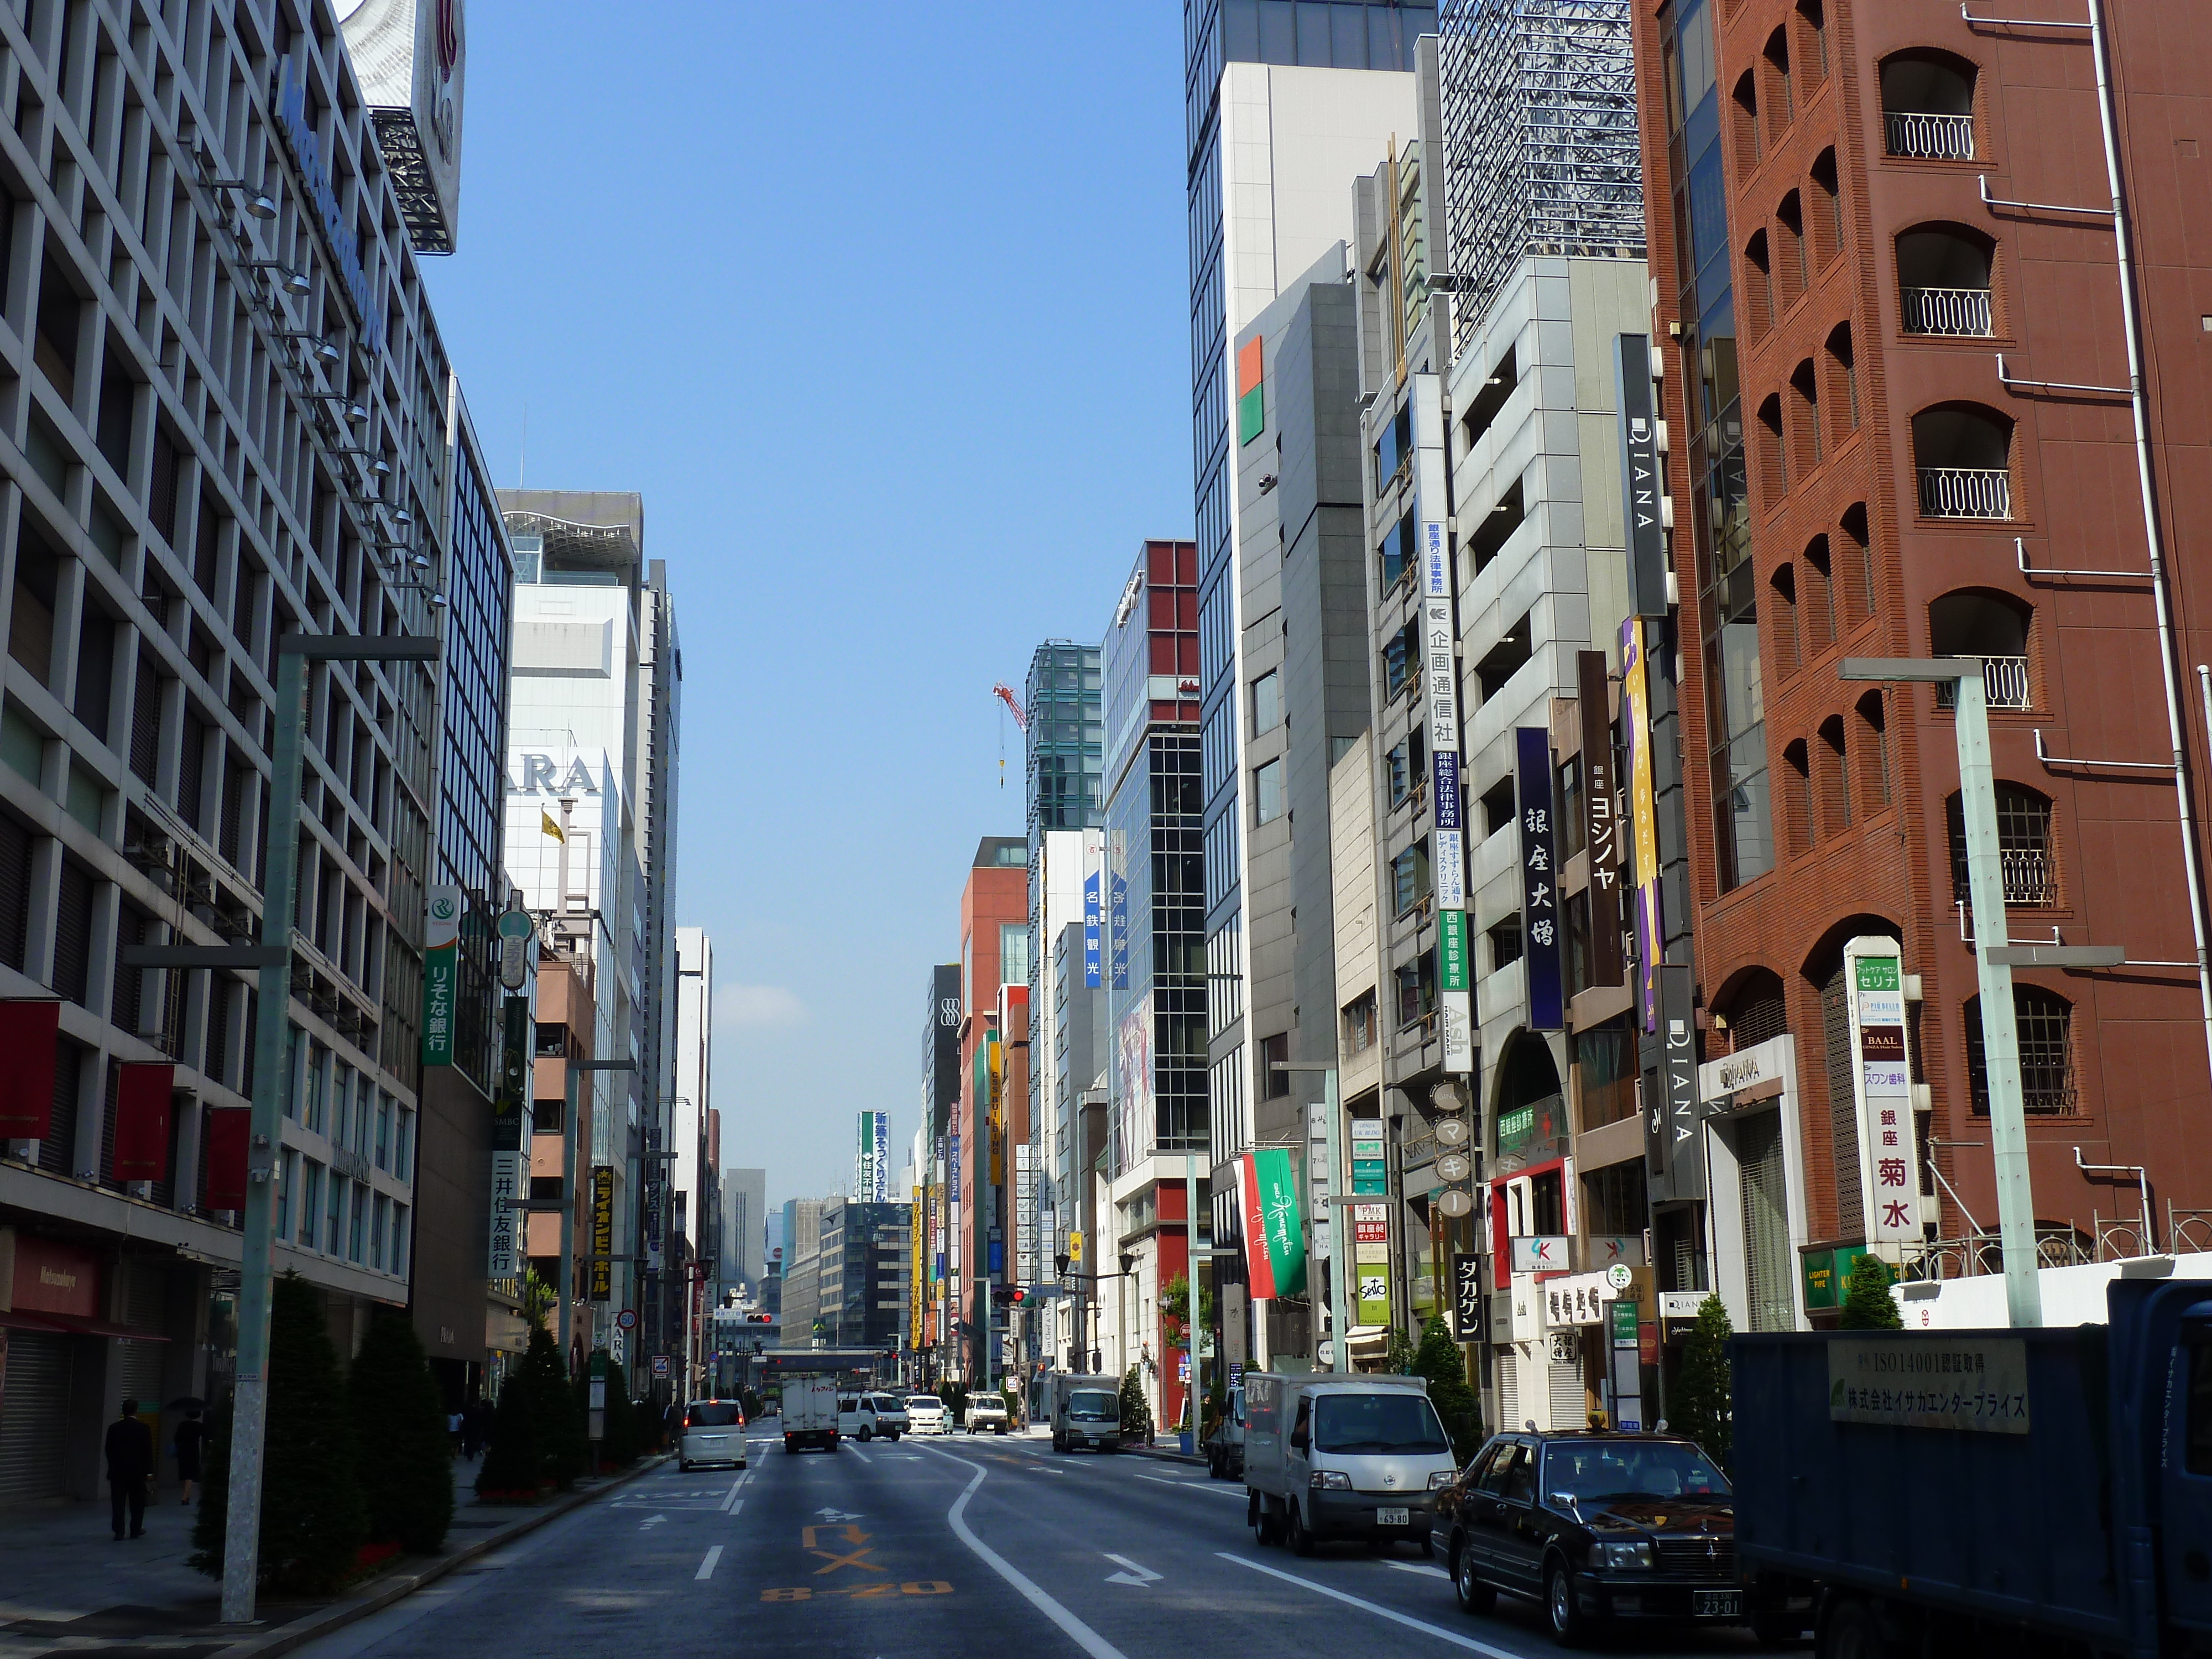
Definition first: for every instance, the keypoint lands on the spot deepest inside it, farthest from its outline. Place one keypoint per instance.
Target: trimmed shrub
(407, 1459)
(1868, 1304)
(1700, 1405)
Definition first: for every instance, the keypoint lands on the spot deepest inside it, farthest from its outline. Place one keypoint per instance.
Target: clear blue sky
(882, 307)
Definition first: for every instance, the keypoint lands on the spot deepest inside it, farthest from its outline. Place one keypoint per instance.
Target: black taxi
(1596, 1526)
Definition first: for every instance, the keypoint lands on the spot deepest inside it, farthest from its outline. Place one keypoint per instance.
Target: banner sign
(1467, 1296)
(229, 1129)
(141, 1122)
(1643, 484)
(1117, 921)
(1452, 972)
(441, 972)
(1455, 1018)
(1091, 931)
(1539, 908)
(1370, 1264)
(30, 1034)
(509, 1184)
(1274, 1225)
(1369, 1165)
(1643, 816)
(1543, 1253)
(1966, 1381)
(1673, 1159)
(1889, 1162)
(1594, 703)
(511, 1093)
(1444, 778)
(603, 1231)
(1439, 675)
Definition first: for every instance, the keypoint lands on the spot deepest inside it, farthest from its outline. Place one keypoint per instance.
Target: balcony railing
(1947, 310)
(2004, 684)
(1966, 492)
(1931, 137)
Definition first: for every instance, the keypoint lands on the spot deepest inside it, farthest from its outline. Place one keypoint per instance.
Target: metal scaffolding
(1540, 130)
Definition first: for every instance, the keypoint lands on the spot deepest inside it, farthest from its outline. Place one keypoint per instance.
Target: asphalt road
(943, 1546)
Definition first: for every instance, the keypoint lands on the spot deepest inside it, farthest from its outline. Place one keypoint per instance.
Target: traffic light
(1008, 1296)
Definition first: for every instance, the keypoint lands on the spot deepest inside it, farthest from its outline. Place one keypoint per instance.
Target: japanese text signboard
(1947, 1381)
(1600, 818)
(1371, 1259)
(441, 972)
(603, 1231)
(1889, 1175)
(1467, 1296)
(1540, 923)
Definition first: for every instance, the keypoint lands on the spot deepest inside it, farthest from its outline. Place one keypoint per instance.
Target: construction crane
(1005, 694)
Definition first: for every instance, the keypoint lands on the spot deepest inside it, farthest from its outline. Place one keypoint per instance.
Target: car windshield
(1094, 1406)
(987, 1407)
(925, 1402)
(712, 1414)
(1377, 1423)
(1588, 1470)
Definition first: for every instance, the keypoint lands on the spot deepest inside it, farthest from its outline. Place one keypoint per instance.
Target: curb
(336, 1616)
(1160, 1454)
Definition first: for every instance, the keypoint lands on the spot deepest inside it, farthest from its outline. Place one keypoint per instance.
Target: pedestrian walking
(130, 1461)
(186, 1444)
(454, 1420)
(475, 1430)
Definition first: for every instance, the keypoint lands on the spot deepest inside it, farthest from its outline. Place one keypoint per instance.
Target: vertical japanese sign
(1025, 1227)
(1642, 485)
(1600, 813)
(1090, 919)
(603, 1231)
(1321, 1176)
(1467, 1296)
(441, 972)
(1440, 703)
(1539, 897)
(871, 1159)
(1369, 1165)
(1889, 1174)
(1274, 1225)
(509, 1173)
(1117, 913)
(1370, 1264)
(1674, 1163)
(1643, 816)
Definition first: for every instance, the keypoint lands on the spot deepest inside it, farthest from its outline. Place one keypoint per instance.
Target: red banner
(142, 1123)
(28, 1038)
(228, 1130)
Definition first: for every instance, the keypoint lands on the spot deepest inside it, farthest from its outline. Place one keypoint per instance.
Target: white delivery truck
(1087, 1411)
(1342, 1456)
(810, 1412)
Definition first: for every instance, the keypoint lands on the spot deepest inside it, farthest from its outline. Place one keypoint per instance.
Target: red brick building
(1869, 458)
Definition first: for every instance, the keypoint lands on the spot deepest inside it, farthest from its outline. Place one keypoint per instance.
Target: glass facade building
(1067, 737)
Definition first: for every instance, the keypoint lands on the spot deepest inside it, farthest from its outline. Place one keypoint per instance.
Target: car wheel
(683, 1465)
(1474, 1596)
(1302, 1538)
(866, 1432)
(1848, 1630)
(1570, 1628)
(1775, 1627)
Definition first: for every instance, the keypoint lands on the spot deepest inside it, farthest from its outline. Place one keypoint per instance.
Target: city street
(948, 1547)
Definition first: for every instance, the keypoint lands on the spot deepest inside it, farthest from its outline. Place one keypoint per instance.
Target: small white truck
(810, 1412)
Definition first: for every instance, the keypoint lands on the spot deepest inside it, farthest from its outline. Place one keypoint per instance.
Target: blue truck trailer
(2001, 1492)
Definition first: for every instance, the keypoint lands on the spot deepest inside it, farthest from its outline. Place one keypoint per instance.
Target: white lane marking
(1193, 1486)
(731, 1496)
(1421, 1567)
(864, 1456)
(1375, 1608)
(1142, 1577)
(735, 1507)
(707, 1566)
(1080, 1633)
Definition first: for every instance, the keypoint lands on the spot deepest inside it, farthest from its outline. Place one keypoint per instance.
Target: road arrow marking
(1141, 1576)
(835, 1516)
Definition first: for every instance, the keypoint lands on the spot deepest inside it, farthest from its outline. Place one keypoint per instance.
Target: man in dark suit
(130, 1461)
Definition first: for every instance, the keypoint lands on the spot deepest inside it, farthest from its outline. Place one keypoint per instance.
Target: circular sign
(1620, 1276)
(516, 924)
(627, 1319)
(1453, 1166)
(1451, 1131)
(1454, 1202)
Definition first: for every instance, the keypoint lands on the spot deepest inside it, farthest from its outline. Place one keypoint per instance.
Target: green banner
(441, 972)
(1283, 1218)
(1451, 952)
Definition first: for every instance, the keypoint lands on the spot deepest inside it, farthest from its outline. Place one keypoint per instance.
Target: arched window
(1744, 117)
(1874, 750)
(1790, 253)
(1784, 612)
(1964, 455)
(1759, 292)
(1843, 379)
(1978, 623)
(2044, 1022)
(1943, 280)
(2025, 854)
(1780, 106)
(1827, 209)
(1858, 560)
(1751, 1012)
(1797, 803)
(1812, 41)
(1928, 106)
(1832, 775)
(1805, 417)
(1816, 596)
(1774, 474)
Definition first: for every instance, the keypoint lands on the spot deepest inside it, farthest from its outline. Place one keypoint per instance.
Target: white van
(1341, 1455)
(1085, 1411)
(881, 1414)
(714, 1432)
(924, 1414)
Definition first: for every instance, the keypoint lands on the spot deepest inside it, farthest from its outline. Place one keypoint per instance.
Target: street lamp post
(242, 1544)
(1992, 965)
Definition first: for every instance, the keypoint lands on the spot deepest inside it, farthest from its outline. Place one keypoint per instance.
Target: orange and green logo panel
(1251, 391)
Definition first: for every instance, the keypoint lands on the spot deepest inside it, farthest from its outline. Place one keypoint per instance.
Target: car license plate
(1393, 1518)
(1716, 1604)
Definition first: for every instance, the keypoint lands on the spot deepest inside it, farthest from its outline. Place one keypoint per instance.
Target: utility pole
(242, 1544)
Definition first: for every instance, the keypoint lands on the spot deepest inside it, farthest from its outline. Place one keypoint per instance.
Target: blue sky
(882, 307)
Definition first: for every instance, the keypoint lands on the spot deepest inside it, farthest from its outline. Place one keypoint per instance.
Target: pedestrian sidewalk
(66, 1586)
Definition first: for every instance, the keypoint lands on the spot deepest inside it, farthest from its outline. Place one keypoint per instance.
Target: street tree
(1699, 1406)
(407, 1460)
(1868, 1304)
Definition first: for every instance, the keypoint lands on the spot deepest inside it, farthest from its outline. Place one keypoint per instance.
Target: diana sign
(330, 215)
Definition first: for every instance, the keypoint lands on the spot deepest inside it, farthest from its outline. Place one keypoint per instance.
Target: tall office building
(744, 1225)
(1903, 393)
(691, 1172)
(1285, 105)
(940, 1106)
(185, 482)
(596, 682)
(991, 1118)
